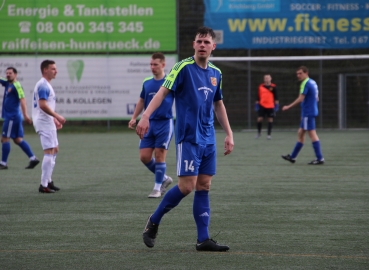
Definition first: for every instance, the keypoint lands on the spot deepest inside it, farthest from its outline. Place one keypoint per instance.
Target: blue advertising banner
(268, 24)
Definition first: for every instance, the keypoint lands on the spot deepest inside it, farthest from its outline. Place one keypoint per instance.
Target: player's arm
(139, 108)
(143, 125)
(257, 101)
(3, 81)
(221, 114)
(275, 95)
(276, 101)
(43, 106)
(22, 101)
(23, 105)
(297, 101)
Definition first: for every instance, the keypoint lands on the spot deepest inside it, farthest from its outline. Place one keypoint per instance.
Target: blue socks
(26, 148)
(160, 169)
(5, 152)
(201, 210)
(318, 152)
(170, 200)
(296, 150)
(201, 214)
(151, 165)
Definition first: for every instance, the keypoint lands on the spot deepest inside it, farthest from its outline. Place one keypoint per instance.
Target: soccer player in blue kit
(161, 126)
(196, 84)
(14, 99)
(309, 97)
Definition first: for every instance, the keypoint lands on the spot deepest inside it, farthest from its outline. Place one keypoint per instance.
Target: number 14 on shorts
(189, 165)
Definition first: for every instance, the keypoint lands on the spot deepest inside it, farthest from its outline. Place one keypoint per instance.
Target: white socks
(47, 169)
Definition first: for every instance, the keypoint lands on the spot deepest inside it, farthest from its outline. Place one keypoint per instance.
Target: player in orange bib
(266, 104)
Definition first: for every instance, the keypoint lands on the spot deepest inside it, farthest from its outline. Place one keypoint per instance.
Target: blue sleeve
(3, 81)
(218, 94)
(43, 92)
(306, 89)
(178, 79)
(142, 95)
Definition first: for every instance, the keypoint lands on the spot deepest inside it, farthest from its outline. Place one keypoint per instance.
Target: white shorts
(48, 138)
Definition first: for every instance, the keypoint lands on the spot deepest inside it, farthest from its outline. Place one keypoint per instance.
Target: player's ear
(214, 46)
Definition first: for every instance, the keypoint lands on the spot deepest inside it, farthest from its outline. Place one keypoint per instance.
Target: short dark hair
(303, 68)
(13, 68)
(203, 31)
(45, 64)
(158, 55)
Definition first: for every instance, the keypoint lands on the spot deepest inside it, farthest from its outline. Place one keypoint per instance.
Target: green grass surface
(272, 214)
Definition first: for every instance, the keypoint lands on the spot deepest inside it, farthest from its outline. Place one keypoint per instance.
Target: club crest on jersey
(9, 89)
(270, 88)
(213, 81)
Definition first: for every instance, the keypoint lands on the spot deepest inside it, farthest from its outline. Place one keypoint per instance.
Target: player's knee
(17, 140)
(203, 186)
(185, 189)
(145, 159)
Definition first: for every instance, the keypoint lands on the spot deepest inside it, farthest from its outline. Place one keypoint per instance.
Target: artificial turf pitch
(272, 214)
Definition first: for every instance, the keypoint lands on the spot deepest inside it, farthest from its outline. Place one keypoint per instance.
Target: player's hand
(60, 118)
(28, 120)
(228, 145)
(285, 108)
(132, 123)
(142, 127)
(58, 125)
(257, 107)
(276, 107)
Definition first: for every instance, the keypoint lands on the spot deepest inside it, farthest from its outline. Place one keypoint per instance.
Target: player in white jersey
(46, 121)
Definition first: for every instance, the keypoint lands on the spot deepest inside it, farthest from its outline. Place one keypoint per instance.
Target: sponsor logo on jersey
(213, 81)
(206, 91)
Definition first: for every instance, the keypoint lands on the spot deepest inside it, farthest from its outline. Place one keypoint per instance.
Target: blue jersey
(195, 91)
(309, 88)
(11, 103)
(150, 87)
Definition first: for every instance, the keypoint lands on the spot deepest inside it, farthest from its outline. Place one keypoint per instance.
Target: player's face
(50, 72)
(301, 75)
(267, 79)
(157, 66)
(10, 75)
(203, 46)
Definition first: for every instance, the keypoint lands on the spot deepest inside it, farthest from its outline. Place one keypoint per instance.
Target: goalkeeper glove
(257, 107)
(276, 107)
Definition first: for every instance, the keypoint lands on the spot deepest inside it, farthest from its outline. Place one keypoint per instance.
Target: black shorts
(265, 112)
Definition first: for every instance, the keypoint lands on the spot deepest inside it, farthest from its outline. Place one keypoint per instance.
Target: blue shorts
(159, 135)
(195, 159)
(13, 128)
(307, 123)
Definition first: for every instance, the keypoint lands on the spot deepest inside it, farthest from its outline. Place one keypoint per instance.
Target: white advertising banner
(87, 87)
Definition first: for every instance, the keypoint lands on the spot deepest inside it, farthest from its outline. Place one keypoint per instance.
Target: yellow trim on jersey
(302, 86)
(19, 88)
(168, 83)
(148, 78)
